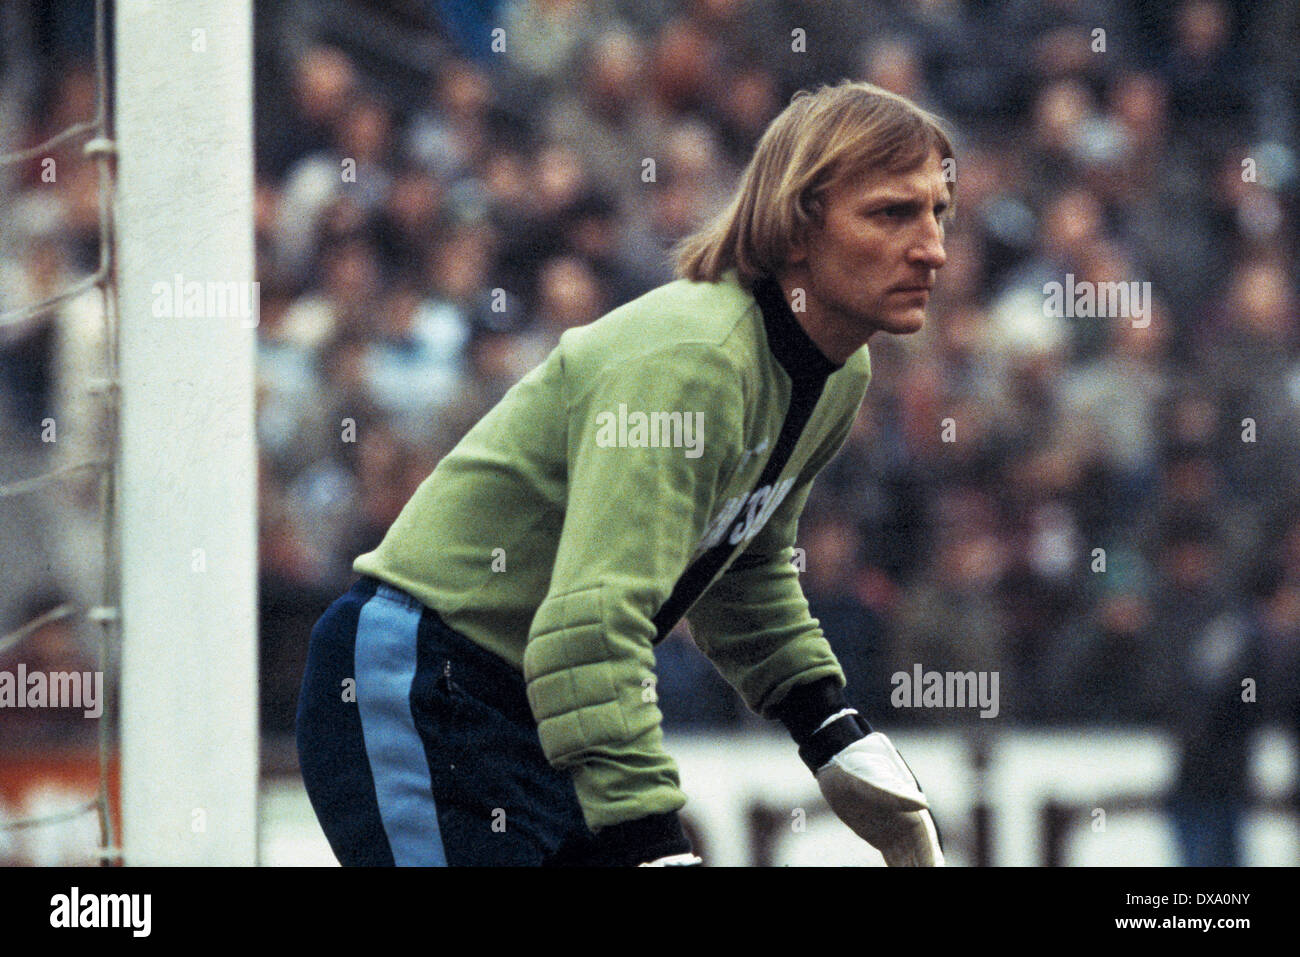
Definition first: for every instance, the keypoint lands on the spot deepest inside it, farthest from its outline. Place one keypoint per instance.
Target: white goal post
(187, 464)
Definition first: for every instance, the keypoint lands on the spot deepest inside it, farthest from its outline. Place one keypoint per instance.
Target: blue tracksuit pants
(418, 747)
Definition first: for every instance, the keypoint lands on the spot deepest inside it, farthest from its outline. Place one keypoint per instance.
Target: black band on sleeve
(645, 839)
(626, 844)
(806, 706)
(833, 739)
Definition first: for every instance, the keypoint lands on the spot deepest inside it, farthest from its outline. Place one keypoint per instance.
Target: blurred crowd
(1110, 518)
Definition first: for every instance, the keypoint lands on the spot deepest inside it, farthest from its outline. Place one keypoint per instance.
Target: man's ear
(811, 206)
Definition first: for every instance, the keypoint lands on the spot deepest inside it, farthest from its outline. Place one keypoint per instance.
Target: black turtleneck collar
(791, 345)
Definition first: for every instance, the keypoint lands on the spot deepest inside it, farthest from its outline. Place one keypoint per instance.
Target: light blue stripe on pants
(385, 663)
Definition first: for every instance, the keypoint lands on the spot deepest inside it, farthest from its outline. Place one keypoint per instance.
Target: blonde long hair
(821, 139)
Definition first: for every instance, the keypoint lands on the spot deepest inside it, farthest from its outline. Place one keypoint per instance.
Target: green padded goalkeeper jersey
(653, 467)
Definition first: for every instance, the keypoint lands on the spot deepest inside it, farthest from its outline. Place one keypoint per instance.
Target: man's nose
(928, 249)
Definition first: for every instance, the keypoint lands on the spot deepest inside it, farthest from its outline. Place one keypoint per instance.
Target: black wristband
(833, 739)
(626, 844)
(806, 706)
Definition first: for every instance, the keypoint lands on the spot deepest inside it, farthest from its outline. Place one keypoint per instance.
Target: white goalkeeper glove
(871, 789)
(675, 860)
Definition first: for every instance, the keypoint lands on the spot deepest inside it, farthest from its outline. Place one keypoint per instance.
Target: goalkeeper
(484, 694)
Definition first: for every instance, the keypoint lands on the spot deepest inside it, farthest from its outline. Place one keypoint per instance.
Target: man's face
(871, 262)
